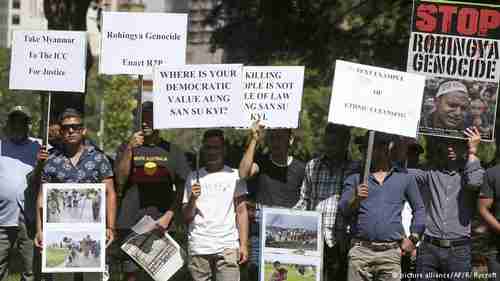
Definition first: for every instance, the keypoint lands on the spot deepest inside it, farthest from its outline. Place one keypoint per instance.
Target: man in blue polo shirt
(375, 209)
(78, 162)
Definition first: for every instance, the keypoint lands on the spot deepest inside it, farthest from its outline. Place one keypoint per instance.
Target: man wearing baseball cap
(451, 104)
(17, 159)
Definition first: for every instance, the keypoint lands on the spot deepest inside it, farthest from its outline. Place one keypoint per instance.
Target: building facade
(20, 15)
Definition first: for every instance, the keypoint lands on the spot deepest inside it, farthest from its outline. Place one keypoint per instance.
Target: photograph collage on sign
(74, 228)
(291, 245)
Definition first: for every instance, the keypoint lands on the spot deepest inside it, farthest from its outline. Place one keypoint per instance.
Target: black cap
(19, 110)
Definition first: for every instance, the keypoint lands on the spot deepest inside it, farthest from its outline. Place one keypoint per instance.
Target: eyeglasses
(74, 127)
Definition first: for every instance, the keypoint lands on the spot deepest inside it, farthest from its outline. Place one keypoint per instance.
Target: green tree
(117, 93)
(314, 33)
(9, 99)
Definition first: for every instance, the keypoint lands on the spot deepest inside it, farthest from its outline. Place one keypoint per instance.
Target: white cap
(451, 86)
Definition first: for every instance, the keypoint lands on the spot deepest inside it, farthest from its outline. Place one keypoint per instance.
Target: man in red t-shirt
(149, 168)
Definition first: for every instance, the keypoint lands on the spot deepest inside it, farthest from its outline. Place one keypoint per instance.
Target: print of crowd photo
(276, 267)
(294, 233)
(74, 227)
(73, 251)
(74, 205)
(451, 105)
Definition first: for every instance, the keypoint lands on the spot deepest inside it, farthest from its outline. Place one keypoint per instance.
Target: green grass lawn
(55, 256)
(293, 274)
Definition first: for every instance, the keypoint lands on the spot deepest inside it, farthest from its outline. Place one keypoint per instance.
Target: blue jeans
(433, 261)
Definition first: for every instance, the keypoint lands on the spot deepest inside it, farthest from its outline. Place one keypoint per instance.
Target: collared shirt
(92, 167)
(450, 198)
(321, 190)
(378, 217)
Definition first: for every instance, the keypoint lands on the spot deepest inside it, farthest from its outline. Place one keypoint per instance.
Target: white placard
(48, 61)
(376, 98)
(132, 43)
(74, 232)
(273, 94)
(197, 96)
(291, 244)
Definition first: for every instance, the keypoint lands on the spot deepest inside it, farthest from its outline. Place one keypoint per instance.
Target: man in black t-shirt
(489, 210)
(277, 177)
(148, 168)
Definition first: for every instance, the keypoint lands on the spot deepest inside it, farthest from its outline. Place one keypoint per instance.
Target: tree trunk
(68, 15)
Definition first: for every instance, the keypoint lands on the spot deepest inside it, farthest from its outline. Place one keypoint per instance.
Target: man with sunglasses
(77, 162)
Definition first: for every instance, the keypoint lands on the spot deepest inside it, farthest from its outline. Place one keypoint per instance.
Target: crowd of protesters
(363, 226)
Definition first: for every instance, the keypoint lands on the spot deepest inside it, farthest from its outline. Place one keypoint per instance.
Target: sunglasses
(74, 127)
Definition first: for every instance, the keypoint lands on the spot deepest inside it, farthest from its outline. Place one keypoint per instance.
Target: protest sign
(376, 98)
(48, 61)
(455, 45)
(157, 253)
(74, 236)
(132, 43)
(197, 96)
(272, 94)
(291, 244)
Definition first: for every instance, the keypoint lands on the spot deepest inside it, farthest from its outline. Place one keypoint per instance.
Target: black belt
(447, 243)
(376, 246)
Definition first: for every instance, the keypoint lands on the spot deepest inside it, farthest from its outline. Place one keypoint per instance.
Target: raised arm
(473, 172)
(247, 166)
(124, 159)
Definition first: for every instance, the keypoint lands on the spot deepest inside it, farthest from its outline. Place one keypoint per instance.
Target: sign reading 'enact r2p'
(134, 43)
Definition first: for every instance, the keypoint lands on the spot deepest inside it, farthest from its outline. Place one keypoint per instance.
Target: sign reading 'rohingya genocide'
(376, 98)
(455, 45)
(48, 61)
(134, 43)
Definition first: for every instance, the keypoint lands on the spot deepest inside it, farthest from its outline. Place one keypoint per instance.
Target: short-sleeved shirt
(92, 167)
(154, 170)
(491, 189)
(17, 160)
(213, 229)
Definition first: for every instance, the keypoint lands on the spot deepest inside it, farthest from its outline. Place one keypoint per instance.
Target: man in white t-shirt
(214, 206)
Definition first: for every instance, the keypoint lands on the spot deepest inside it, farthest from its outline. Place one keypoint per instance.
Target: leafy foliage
(117, 95)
